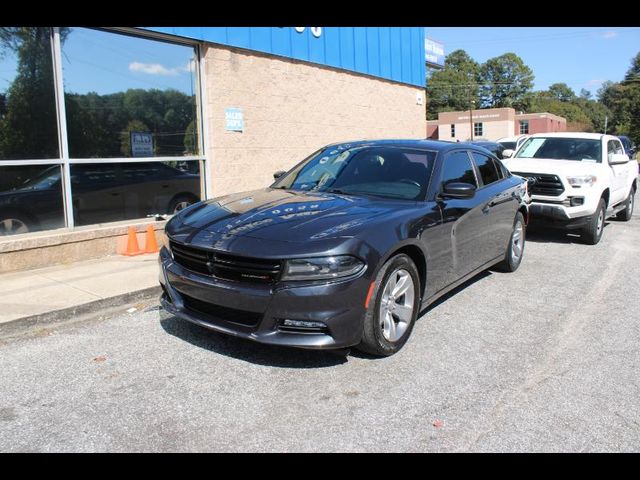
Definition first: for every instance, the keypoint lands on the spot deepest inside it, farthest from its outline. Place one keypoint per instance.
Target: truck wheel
(592, 232)
(393, 307)
(625, 215)
(515, 249)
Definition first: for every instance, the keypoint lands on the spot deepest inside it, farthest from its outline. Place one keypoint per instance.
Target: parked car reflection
(101, 193)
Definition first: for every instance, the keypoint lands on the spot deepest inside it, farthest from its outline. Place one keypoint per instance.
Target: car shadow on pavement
(541, 235)
(248, 351)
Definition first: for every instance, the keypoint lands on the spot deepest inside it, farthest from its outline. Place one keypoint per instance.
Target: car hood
(273, 214)
(551, 166)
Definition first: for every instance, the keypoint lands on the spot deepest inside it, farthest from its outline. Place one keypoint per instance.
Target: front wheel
(515, 249)
(393, 308)
(625, 215)
(592, 232)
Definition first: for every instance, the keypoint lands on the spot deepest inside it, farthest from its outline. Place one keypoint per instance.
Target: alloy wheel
(396, 305)
(12, 226)
(517, 241)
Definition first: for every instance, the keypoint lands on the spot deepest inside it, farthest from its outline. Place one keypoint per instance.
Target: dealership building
(104, 128)
(492, 124)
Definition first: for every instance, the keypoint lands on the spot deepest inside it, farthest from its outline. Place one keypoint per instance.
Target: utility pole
(470, 114)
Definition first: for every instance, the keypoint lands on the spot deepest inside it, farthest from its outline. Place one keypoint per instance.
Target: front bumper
(556, 216)
(258, 309)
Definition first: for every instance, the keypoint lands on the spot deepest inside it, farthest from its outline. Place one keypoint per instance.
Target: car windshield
(45, 180)
(560, 148)
(509, 145)
(384, 171)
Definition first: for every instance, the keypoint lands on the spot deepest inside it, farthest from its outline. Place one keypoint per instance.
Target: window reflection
(127, 96)
(108, 192)
(28, 126)
(30, 199)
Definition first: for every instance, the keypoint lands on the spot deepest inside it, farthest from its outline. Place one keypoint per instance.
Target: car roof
(434, 145)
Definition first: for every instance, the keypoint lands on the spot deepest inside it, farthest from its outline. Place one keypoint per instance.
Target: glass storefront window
(109, 192)
(28, 121)
(127, 96)
(30, 198)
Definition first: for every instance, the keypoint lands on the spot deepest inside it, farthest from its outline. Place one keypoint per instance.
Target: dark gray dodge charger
(347, 247)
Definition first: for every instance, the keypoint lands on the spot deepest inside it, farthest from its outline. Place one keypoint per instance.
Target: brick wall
(290, 109)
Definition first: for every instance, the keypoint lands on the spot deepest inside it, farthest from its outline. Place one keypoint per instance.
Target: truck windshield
(558, 148)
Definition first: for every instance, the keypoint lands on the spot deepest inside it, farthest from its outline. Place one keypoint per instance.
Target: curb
(101, 307)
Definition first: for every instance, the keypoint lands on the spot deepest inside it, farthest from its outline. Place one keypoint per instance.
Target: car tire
(180, 203)
(625, 215)
(14, 223)
(515, 249)
(388, 322)
(592, 232)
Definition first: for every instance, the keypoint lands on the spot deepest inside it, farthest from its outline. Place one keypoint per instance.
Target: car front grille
(225, 266)
(218, 312)
(546, 184)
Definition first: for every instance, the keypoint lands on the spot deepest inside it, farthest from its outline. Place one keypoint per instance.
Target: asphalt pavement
(543, 359)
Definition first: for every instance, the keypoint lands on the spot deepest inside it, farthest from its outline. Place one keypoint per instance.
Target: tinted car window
(392, 172)
(487, 167)
(457, 168)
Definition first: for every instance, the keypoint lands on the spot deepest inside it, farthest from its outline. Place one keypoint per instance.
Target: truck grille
(546, 184)
(225, 266)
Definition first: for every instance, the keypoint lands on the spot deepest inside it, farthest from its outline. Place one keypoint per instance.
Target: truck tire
(386, 330)
(625, 215)
(515, 249)
(592, 232)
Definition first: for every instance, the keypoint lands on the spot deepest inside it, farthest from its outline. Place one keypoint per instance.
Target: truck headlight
(582, 180)
(321, 268)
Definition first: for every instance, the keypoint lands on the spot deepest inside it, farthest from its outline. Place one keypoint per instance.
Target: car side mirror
(618, 159)
(278, 174)
(507, 153)
(458, 190)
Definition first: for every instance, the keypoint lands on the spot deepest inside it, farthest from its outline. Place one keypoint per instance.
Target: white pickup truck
(579, 180)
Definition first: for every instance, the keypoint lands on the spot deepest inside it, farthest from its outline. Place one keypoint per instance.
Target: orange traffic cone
(150, 244)
(132, 243)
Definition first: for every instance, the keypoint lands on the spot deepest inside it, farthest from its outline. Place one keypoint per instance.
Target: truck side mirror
(507, 153)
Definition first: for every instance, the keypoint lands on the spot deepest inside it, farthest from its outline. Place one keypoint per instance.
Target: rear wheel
(393, 308)
(625, 215)
(181, 202)
(592, 232)
(515, 249)
(13, 224)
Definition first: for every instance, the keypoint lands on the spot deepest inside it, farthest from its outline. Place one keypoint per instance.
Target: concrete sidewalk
(49, 295)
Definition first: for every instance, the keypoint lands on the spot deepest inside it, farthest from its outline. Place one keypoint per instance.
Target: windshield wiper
(338, 191)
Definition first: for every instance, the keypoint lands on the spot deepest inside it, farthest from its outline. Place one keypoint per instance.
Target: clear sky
(581, 57)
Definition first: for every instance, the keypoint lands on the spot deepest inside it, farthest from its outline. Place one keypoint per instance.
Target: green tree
(562, 92)
(453, 87)
(191, 139)
(506, 81)
(28, 128)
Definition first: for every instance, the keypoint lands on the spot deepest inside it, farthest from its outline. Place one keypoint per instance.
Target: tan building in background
(491, 124)
(292, 108)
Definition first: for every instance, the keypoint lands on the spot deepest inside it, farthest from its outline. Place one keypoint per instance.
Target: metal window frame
(65, 161)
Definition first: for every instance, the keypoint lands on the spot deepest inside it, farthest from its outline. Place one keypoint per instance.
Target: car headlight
(321, 268)
(582, 180)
